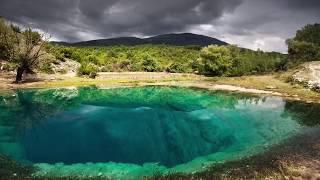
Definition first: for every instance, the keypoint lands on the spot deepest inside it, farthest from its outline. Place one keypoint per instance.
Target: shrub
(88, 69)
(301, 51)
(46, 68)
(92, 59)
(309, 33)
(176, 68)
(125, 65)
(149, 64)
(305, 46)
(215, 60)
(234, 61)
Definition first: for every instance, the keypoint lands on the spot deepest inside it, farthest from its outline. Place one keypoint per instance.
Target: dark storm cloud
(302, 4)
(265, 24)
(94, 8)
(250, 23)
(73, 19)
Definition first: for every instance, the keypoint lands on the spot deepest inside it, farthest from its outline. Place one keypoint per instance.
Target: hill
(183, 39)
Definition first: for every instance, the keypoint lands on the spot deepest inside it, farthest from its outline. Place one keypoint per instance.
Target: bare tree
(24, 48)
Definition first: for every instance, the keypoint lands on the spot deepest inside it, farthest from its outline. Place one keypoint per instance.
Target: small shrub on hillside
(176, 68)
(106, 68)
(149, 64)
(215, 60)
(88, 69)
(125, 65)
(46, 68)
(92, 59)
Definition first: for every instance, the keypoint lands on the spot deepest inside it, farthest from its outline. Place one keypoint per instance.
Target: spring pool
(132, 132)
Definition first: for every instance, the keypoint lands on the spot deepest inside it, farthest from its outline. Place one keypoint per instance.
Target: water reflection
(307, 114)
(27, 108)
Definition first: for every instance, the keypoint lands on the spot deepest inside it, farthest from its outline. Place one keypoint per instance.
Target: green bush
(234, 61)
(92, 59)
(301, 51)
(3, 52)
(215, 60)
(177, 68)
(46, 68)
(125, 65)
(67, 52)
(87, 69)
(149, 64)
(309, 33)
(305, 46)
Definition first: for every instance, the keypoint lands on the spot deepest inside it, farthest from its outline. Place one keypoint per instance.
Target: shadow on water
(32, 109)
(307, 114)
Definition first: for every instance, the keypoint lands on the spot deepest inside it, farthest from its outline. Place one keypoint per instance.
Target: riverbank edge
(264, 85)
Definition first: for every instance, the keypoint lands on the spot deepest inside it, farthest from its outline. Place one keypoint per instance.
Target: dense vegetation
(149, 58)
(305, 46)
(212, 60)
(234, 61)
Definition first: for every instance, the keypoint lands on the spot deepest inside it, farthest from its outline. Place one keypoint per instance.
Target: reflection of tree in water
(305, 113)
(27, 109)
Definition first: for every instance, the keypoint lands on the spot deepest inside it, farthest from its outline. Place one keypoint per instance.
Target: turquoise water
(132, 132)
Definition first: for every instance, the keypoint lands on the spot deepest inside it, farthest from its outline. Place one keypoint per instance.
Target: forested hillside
(184, 39)
(213, 60)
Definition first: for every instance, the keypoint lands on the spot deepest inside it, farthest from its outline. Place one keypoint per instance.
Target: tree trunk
(19, 75)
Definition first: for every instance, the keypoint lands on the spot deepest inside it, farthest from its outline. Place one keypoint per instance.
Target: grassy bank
(273, 83)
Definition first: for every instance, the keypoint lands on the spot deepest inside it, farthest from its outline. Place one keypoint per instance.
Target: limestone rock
(308, 75)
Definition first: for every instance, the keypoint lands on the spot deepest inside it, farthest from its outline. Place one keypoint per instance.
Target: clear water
(136, 131)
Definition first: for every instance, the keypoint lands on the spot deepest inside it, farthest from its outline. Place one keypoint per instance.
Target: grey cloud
(254, 14)
(114, 17)
(246, 21)
(94, 8)
(302, 4)
(265, 22)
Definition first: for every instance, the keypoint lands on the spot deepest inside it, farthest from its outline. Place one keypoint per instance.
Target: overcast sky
(264, 24)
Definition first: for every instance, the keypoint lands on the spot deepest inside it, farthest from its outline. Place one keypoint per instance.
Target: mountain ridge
(176, 39)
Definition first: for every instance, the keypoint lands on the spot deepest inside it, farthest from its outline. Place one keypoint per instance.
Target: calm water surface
(127, 128)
